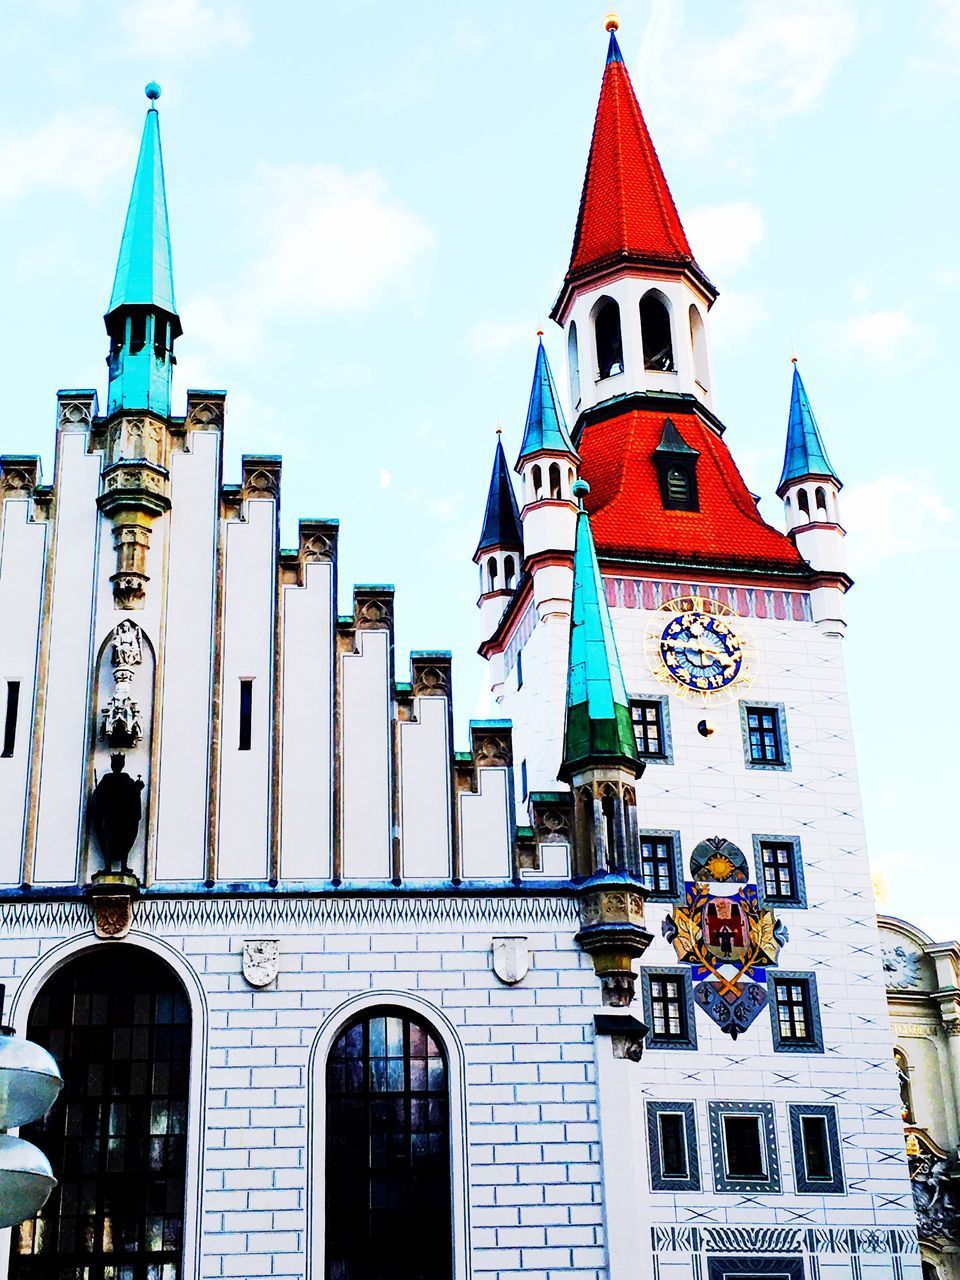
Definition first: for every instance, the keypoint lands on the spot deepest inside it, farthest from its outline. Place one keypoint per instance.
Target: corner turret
(500, 549)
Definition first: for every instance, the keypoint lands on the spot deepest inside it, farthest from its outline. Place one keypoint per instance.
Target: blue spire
(142, 318)
(145, 267)
(501, 520)
(546, 430)
(805, 454)
(598, 727)
(613, 48)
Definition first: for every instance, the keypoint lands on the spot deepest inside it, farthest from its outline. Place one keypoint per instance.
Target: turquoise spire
(805, 454)
(598, 728)
(501, 520)
(142, 316)
(545, 430)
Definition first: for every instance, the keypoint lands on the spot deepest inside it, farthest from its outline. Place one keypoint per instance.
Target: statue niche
(120, 775)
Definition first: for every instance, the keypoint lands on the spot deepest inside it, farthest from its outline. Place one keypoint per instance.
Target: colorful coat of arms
(726, 936)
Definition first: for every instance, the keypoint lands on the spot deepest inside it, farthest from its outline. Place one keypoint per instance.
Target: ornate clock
(694, 648)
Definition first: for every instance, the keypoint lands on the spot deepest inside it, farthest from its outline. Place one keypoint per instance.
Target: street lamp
(29, 1083)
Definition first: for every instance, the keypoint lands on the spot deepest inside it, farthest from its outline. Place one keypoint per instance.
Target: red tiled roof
(626, 209)
(627, 511)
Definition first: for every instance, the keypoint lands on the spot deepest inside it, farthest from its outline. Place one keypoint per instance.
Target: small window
(906, 1092)
(573, 365)
(10, 719)
(608, 808)
(536, 475)
(138, 332)
(743, 1140)
(519, 671)
(817, 1161)
(655, 332)
(492, 573)
(780, 871)
(659, 855)
(699, 343)
(648, 728)
(796, 1017)
(609, 341)
(820, 498)
(246, 714)
(803, 502)
(554, 476)
(509, 572)
(524, 791)
(672, 1138)
(743, 1148)
(668, 1008)
(764, 736)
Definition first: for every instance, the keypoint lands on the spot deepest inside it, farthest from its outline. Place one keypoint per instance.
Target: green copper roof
(545, 429)
(145, 266)
(805, 454)
(598, 727)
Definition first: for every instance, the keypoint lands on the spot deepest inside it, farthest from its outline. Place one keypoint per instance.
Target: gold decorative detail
(695, 652)
(111, 896)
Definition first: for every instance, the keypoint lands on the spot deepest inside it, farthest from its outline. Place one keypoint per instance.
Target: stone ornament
(115, 812)
(901, 968)
(511, 959)
(121, 723)
(112, 915)
(261, 961)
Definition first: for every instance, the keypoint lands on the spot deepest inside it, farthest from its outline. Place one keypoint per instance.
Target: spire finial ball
(793, 359)
(612, 22)
(153, 91)
(580, 488)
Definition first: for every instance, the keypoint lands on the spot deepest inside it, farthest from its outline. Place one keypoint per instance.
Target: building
(599, 997)
(923, 978)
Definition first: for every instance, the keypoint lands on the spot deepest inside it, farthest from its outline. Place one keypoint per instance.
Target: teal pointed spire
(805, 453)
(598, 728)
(546, 429)
(142, 318)
(501, 520)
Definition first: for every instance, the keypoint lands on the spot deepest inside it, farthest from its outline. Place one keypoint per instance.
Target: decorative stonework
(261, 961)
(19, 475)
(492, 744)
(77, 413)
(261, 476)
(121, 723)
(111, 897)
(134, 491)
(430, 675)
(613, 933)
(373, 609)
(510, 959)
(204, 413)
(901, 968)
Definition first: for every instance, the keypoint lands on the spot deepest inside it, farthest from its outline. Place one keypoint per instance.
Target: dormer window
(676, 465)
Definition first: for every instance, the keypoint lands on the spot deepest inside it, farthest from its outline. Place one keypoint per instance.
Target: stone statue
(127, 650)
(115, 812)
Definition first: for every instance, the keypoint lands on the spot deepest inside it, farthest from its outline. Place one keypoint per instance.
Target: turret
(810, 488)
(499, 552)
(142, 318)
(548, 466)
(634, 302)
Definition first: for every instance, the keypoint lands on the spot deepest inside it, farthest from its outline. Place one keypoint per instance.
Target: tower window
(492, 573)
(765, 737)
(138, 331)
(795, 1015)
(658, 863)
(246, 715)
(743, 1148)
(609, 340)
(678, 486)
(803, 502)
(388, 1151)
(554, 474)
(820, 498)
(698, 340)
(536, 476)
(676, 463)
(509, 572)
(655, 331)
(647, 719)
(668, 1009)
(817, 1162)
(781, 874)
(672, 1138)
(524, 786)
(10, 719)
(743, 1139)
(573, 364)
(906, 1093)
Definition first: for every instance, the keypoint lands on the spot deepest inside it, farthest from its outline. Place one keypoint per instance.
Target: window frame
(689, 1038)
(723, 1181)
(674, 861)
(666, 735)
(659, 1181)
(738, 1268)
(784, 763)
(814, 1041)
(835, 1184)
(798, 898)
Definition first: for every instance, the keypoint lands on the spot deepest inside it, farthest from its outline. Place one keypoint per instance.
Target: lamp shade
(29, 1081)
(26, 1180)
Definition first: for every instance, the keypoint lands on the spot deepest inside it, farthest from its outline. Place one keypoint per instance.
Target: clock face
(697, 651)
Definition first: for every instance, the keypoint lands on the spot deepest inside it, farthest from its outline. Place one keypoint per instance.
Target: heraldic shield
(729, 940)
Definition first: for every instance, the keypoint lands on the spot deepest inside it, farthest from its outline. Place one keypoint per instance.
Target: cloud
(75, 151)
(724, 235)
(879, 335)
(385, 478)
(776, 62)
(178, 30)
(490, 338)
(894, 515)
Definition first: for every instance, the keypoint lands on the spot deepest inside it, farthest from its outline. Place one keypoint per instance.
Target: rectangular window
(519, 671)
(668, 1008)
(246, 714)
(672, 1139)
(755, 1268)
(523, 779)
(743, 1148)
(657, 865)
(648, 728)
(795, 1013)
(763, 732)
(10, 720)
(817, 1164)
(743, 1140)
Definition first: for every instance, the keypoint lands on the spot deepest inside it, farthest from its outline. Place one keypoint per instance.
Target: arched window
(536, 476)
(117, 1021)
(554, 474)
(585, 844)
(492, 573)
(609, 341)
(820, 498)
(388, 1151)
(906, 1092)
(698, 341)
(608, 805)
(655, 331)
(509, 572)
(573, 364)
(803, 502)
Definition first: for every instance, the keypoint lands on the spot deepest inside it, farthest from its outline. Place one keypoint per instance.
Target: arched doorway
(117, 1020)
(388, 1182)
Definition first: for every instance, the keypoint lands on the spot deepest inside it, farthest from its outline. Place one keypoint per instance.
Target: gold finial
(612, 21)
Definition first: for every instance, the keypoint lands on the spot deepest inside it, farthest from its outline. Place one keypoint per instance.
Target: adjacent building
(599, 996)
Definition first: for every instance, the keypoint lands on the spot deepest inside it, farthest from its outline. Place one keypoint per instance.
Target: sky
(372, 208)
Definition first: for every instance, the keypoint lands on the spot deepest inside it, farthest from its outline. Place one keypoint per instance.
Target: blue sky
(372, 207)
